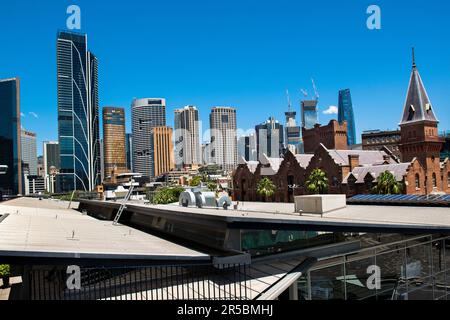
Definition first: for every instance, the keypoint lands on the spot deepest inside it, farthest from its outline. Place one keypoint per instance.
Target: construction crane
(317, 96)
(289, 101)
(304, 92)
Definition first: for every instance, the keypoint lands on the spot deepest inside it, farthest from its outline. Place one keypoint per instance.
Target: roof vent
(319, 204)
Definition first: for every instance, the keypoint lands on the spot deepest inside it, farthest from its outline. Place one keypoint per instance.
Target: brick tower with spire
(419, 132)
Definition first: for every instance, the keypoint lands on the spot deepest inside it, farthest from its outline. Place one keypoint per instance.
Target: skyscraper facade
(114, 149)
(129, 151)
(293, 133)
(51, 164)
(162, 150)
(223, 147)
(146, 115)
(309, 113)
(78, 114)
(346, 114)
(247, 147)
(10, 142)
(29, 152)
(187, 137)
(270, 138)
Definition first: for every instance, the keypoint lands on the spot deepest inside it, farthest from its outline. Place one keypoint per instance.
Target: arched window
(417, 181)
(448, 179)
(434, 181)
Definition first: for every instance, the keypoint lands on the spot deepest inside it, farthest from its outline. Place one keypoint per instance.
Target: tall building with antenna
(293, 133)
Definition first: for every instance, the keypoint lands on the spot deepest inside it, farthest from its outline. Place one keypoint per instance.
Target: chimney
(353, 160)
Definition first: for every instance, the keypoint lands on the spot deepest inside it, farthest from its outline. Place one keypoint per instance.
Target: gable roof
(270, 165)
(304, 159)
(366, 157)
(399, 170)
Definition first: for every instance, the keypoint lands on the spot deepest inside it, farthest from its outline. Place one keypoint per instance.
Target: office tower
(346, 114)
(10, 142)
(162, 150)
(146, 115)
(51, 157)
(293, 133)
(270, 139)
(114, 151)
(187, 137)
(40, 166)
(247, 147)
(78, 114)
(419, 133)
(223, 146)
(29, 152)
(129, 151)
(309, 114)
(206, 153)
(102, 161)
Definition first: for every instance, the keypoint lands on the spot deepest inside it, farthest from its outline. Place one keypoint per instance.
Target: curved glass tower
(78, 119)
(346, 114)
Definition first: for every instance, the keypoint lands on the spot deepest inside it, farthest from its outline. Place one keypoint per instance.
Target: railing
(203, 282)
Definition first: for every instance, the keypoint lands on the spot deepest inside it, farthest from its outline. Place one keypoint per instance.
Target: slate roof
(399, 170)
(418, 106)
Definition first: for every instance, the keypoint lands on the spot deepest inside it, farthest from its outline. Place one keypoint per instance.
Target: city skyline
(376, 78)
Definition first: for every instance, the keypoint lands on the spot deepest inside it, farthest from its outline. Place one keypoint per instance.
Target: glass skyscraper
(346, 114)
(78, 114)
(309, 114)
(10, 143)
(270, 139)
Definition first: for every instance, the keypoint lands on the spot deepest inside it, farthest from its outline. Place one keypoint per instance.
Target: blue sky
(238, 53)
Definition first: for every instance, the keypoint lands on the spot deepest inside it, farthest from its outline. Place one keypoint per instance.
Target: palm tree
(265, 188)
(317, 182)
(387, 184)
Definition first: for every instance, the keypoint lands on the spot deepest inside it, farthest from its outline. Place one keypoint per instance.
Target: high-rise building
(419, 133)
(346, 114)
(293, 133)
(309, 113)
(114, 149)
(29, 152)
(223, 146)
(10, 142)
(146, 115)
(187, 137)
(162, 151)
(270, 139)
(78, 114)
(129, 151)
(40, 166)
(51, 157)
(247, 147)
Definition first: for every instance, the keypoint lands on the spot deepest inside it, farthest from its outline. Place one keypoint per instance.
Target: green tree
(5, 270)
(265, 188)
(387, 184)
(167, 195)
(195, 181)
(212, 186)
(317, 182)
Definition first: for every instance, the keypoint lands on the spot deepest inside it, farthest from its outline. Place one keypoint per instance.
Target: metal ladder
(123, 206)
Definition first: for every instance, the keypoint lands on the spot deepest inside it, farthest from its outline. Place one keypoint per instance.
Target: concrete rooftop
(47, 229)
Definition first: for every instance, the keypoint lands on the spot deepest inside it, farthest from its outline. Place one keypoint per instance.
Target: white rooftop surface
(382, 216)
(48, 229)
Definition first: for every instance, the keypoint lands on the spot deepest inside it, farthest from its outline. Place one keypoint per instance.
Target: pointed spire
(418, 106)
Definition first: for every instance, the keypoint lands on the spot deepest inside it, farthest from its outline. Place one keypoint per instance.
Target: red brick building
(354, 172)
(332, 136)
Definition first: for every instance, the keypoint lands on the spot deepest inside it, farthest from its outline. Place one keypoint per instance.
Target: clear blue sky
(238, 53)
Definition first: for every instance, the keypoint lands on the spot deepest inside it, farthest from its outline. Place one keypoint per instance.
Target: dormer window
(428, 107)
(412, 110)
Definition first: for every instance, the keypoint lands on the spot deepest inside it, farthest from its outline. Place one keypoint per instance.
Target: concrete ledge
(319, 204)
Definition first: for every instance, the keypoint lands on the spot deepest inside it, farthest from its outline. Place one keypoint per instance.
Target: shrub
(5, 270)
